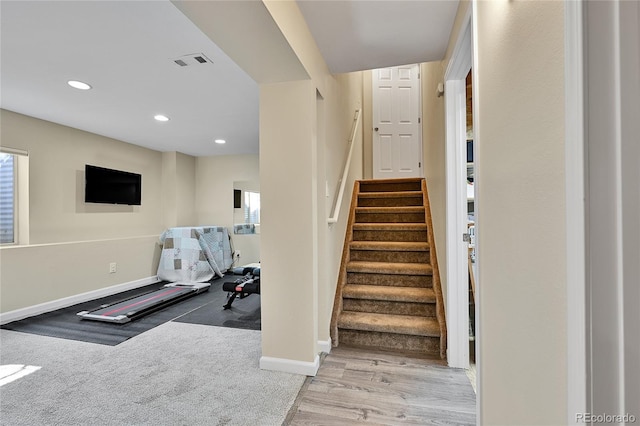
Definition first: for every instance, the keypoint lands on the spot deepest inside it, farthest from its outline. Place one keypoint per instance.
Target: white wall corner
(290, 365)
(324, 346)
(577, 355)
(42, 308)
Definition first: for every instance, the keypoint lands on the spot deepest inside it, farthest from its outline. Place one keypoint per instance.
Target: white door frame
(602, 156)
(456, 190)
(575, 155)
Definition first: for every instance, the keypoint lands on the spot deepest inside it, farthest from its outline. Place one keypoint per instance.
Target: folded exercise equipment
(242, 287)
(194, 254)
(133, 308)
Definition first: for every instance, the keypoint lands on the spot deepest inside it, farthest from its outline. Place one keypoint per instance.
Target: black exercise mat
(244, 313)
(65, 324)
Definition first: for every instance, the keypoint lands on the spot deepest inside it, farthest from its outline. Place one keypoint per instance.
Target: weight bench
(242, 287)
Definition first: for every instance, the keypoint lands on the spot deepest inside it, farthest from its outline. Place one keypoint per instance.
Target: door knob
(375, 128)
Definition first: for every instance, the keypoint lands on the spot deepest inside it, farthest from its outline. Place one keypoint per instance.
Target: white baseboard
(41, 308)
(324, 346)
(290, 365)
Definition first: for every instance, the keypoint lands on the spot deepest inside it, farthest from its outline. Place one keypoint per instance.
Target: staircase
(388, 293)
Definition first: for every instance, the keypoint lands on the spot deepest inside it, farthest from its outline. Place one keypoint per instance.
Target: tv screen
(109, 186)
(469, 151)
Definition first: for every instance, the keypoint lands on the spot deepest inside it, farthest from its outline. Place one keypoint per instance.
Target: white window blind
(8, 198)
(251, 207)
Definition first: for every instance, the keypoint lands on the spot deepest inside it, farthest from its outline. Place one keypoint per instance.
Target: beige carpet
(174, 374)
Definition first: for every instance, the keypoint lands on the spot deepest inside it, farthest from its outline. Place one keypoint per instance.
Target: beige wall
(304, 129)
(348, 92)
(521, 212)
(72, 243)
(367, 120)
(288, 241)
(169, 189)
(301, 252)
(186, 187)
(214, 196)
(289, 19)
(433, 144)
(57, 156)
(42, 273)
(178, 189)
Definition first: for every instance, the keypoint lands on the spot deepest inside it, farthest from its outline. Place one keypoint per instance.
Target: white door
(397, 144)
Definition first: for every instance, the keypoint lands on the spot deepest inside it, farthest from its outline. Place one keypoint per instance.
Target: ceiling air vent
(192, 59)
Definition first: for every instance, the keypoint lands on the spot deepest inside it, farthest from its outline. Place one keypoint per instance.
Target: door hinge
(419, 120)
(419, 164)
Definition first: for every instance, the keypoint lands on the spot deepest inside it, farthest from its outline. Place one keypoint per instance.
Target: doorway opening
(471, 227)
(461, 178)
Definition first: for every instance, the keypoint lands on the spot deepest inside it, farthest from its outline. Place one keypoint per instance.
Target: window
(251, 207)
(8, 190)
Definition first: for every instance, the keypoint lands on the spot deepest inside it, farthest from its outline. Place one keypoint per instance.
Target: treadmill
(135, 307)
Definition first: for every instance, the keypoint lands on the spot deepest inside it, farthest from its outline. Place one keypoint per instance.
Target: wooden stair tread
(392, 180)
(390, 194)
(399, 324)
(389, 245)
(389, 293)
(390, 268)
(390, 227)
(391, 209)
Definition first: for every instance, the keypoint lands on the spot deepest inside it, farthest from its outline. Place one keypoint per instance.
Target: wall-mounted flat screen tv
(109, 186)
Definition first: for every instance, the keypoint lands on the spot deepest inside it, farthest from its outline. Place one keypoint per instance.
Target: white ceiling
(363, 34)
(125, 50)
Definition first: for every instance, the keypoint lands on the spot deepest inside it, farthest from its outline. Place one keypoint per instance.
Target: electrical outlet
(112, 267)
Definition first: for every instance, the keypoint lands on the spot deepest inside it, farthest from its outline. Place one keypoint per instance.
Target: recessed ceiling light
(161, 117)
(220, 141)
(78, 85)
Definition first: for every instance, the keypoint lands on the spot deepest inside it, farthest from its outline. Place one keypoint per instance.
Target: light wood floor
(384, 388)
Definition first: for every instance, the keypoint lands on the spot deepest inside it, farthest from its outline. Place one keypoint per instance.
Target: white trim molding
(456, 196)
(462, 55)
(575, 212)
(324, 346)
(290, 365)
(7, 150)
(458, 294)
(42, 308)
(477, 141)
